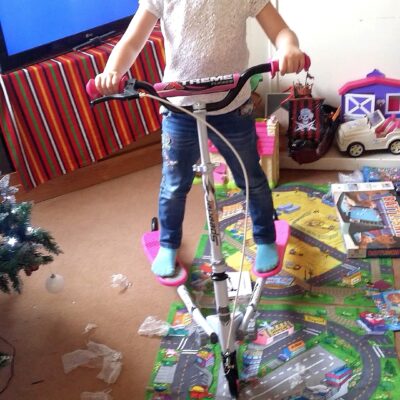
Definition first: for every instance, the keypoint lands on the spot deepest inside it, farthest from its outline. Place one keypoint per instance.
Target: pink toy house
(274, 332)
(375, 91)
(268, 148)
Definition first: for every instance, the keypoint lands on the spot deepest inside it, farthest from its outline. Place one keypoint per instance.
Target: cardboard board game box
(388, 304)
(369, 216)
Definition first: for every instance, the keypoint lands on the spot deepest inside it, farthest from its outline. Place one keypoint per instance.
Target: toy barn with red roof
(375, 91)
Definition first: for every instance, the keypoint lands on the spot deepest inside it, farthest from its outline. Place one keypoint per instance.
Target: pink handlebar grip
(275, 65)
(94, 94)
(91, 90)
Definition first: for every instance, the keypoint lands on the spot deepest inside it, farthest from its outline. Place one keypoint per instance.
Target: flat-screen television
(33, 30)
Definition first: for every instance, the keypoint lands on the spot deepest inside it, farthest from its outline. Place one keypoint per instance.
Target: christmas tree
(22, 247)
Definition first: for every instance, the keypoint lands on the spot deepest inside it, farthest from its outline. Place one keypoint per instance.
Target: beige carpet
(99, 230)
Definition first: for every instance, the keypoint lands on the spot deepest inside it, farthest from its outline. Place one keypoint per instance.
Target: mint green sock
(266, 257)
(164, 263)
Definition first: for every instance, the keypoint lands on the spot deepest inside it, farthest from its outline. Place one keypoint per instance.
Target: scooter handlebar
(231, 84)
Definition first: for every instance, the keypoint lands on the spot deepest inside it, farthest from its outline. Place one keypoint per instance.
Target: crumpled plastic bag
(110, 371)
(120, 281)
(152, 326)
(89, 327)
(80, 358)
(103, 351)
(96, 395)
(97, 355)
(112, 365)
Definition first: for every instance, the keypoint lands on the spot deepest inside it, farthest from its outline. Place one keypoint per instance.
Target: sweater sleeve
(154, 6)
(255, 6)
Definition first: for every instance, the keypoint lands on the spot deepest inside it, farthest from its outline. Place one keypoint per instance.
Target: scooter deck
(282, 229)
(151, 244)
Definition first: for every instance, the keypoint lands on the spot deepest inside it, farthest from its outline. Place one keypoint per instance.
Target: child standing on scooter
(206, 38)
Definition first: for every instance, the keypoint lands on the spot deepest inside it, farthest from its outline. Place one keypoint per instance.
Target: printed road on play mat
(318, 352)
(309, 340)
(315, 269)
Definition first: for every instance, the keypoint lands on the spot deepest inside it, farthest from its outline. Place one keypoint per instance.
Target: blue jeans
(181, 151)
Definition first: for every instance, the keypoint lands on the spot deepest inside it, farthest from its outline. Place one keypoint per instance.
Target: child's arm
(291, 58)
(126, 51)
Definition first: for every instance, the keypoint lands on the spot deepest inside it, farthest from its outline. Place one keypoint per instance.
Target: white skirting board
(334, 160)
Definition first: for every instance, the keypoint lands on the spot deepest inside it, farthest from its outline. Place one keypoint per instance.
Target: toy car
(372, 132)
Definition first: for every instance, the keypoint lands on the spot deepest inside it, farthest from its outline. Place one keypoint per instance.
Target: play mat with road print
(315, 335)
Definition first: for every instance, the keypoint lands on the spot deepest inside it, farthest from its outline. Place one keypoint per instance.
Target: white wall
(346, 39)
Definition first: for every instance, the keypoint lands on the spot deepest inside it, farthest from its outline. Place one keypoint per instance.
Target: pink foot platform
(151, 244)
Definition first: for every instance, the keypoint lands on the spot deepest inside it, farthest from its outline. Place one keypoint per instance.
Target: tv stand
(52, 133)
(94, 41)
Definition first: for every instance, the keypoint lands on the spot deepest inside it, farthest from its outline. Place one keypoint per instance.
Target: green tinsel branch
(22, 247)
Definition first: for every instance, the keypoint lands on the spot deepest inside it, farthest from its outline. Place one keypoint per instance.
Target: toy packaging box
(388, 305)
(369, 216)
(375, 174)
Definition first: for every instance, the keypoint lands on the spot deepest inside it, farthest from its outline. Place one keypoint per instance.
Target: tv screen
(33, 30)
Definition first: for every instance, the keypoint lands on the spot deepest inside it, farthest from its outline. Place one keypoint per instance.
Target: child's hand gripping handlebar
(231, 83)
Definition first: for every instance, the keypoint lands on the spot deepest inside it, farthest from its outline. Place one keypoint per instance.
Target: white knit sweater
(205, 38)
